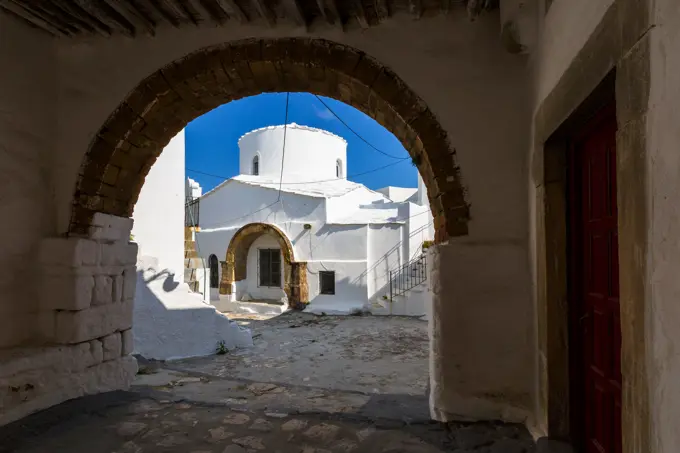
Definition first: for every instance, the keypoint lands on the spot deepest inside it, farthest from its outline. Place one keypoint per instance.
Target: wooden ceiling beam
(294, 10)
(178, 11)
(103, 16)
(264, 12)
(232, 9)
(60, 18)
(415, 7)
(382, 10)
(360, 13)
(334, 18)
(77, 13)
(204, 13)
(31, 19)
(132, 15)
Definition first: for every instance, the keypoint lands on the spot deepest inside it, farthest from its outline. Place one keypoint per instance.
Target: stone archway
(235, 266)
(121, 154)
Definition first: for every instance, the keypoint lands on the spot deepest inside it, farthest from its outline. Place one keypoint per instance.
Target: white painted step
(260, 308)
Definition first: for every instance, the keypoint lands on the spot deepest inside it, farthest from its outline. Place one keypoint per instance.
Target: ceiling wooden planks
(142, 17)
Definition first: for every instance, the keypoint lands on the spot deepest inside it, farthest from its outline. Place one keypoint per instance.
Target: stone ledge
(52, 388)
(68, 252)
(67, 358)
(94, 322)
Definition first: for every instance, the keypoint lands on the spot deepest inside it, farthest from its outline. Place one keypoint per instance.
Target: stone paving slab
(258, 400)
(369, 354)
(149, 425)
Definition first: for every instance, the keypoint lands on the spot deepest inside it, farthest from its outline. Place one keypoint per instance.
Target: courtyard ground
(311, 384)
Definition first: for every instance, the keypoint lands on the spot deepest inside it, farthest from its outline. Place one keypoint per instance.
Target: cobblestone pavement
(174, 407)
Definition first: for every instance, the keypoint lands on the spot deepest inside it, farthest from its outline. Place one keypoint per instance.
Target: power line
(355, 132)
(392, 164)
(283, 152)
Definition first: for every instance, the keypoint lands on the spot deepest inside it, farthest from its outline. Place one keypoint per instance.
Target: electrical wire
(224, 178)
(355, 132)
(283, 152)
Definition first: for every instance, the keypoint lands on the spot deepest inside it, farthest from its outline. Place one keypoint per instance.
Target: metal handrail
(408, 276)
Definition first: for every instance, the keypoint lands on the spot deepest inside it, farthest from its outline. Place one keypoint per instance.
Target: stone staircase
(192, 262)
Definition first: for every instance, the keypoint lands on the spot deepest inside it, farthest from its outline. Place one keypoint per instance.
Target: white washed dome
(311, 154)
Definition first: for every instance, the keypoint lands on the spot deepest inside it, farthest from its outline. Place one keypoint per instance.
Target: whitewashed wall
(385, 252)
(397, 193)
(219, 208)
(338, 209)
(311, 154)
(27, 128)
(419, 228)
(350, 287)
(159, 212)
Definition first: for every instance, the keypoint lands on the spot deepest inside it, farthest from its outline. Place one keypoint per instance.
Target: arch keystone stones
(127, 145)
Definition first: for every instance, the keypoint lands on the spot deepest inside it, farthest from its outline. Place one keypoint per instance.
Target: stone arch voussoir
(127, 145)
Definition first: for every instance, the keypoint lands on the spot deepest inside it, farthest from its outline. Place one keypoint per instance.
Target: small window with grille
(256, 165)
(327, 282)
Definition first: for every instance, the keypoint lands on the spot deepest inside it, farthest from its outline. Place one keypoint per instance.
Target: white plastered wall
(159, 212)
(663, 309)
(27, 127)
(311, 154)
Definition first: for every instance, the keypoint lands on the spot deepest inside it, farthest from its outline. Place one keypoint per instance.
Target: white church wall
(317, 152)
(159, 213)
(333, 243)
(385, 253)
(235, 203)
(420, 228)
(253, 288)
(338, 208)
(398, 193)
(339, 248)
(350, 287)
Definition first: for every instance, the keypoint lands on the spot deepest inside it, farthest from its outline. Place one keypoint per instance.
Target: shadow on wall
(171, 322)
(169, 284)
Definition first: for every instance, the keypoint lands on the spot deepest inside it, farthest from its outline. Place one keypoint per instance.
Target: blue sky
(211, 139)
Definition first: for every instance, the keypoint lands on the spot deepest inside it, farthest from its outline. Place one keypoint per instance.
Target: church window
(338, 169)
(327, 282)
(214, 271)
(256, 165)
(270, 267)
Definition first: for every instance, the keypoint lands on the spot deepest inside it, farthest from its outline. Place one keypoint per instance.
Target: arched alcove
(214, 264)
(235, 266)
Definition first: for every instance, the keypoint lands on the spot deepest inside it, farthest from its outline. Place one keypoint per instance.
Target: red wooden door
(596, 327)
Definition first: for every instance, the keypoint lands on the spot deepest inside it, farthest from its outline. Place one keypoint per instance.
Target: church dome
(311, 154)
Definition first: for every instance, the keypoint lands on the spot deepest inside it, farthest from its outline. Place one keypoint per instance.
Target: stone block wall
(86, 295)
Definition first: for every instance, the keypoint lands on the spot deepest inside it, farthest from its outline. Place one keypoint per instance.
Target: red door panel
(596, 333)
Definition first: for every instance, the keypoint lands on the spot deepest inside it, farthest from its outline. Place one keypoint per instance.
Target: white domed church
(291, 229)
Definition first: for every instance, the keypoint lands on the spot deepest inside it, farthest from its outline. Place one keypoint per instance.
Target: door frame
(620, 42)
(556, 282)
